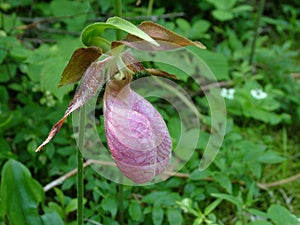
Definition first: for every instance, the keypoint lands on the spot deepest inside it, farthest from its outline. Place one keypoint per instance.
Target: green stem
(80, 193)
(285, 153)
(150, 7)
(121, 199)
(118, 12)
(259, 14)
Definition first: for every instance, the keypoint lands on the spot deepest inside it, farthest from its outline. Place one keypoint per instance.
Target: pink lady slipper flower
(137, 135)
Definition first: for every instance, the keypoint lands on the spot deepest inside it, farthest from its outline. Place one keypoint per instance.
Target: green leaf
(280, 215)
(270, 157)
(224, 181)
(183, 25)
(110, 204)
(79, 62)
(199, 175)
(60, 196)
(91, 34)
(222, 15)
(135, 211)
(258, 213)
(52, 218)
(259, 222)
(20, 194)
(216, 62)
(157, 215)
(235, 200)
(131, 29)
(72, 205)
(212, 206)
(46, 64)
(174, 216)
(75, 13)
(3, 54)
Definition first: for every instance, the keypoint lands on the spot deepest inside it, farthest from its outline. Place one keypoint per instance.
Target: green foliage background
(261, 144)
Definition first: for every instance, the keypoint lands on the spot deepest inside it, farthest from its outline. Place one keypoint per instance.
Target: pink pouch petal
(137, 135)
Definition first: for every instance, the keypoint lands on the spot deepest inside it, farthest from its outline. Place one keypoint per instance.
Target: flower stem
(121, 199)
(259, 14)
(118, 12)
(150, 7)
(80, 169)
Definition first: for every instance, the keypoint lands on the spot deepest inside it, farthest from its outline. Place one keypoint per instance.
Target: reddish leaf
(78, 64)
(92, 80)
(166, 38)
(132, 63)
(160, 73)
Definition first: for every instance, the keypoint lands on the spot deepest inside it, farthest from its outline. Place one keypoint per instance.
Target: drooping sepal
(92, 81)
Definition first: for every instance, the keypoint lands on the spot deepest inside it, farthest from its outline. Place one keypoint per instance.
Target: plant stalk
(118, 12)
(257, 24)
(80, 187)
(150, 7)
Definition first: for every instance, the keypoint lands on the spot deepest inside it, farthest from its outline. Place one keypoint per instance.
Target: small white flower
(228, 93)
(258, 94)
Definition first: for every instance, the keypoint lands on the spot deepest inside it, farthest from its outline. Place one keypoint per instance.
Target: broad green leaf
(216, 62)
(224, 181)
(270, 157)
(157, 215)
(174, 216)
(223, 4)
(75, 13)
(183, 24)
(72, 205)
(78, 64)
(46, 64)
(110, 204)
(222, 15)
(52, 218)
(280, 215)
(92, 32)
(135, 211)
(20, 194)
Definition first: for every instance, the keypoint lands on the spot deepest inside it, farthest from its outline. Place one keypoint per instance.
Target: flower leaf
(92, 80)
(79, 62)
(166, 38)
(91, 34)
(131, 29)
(160, 73)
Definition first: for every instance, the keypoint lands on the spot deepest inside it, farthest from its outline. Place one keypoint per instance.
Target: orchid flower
(137, 136)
